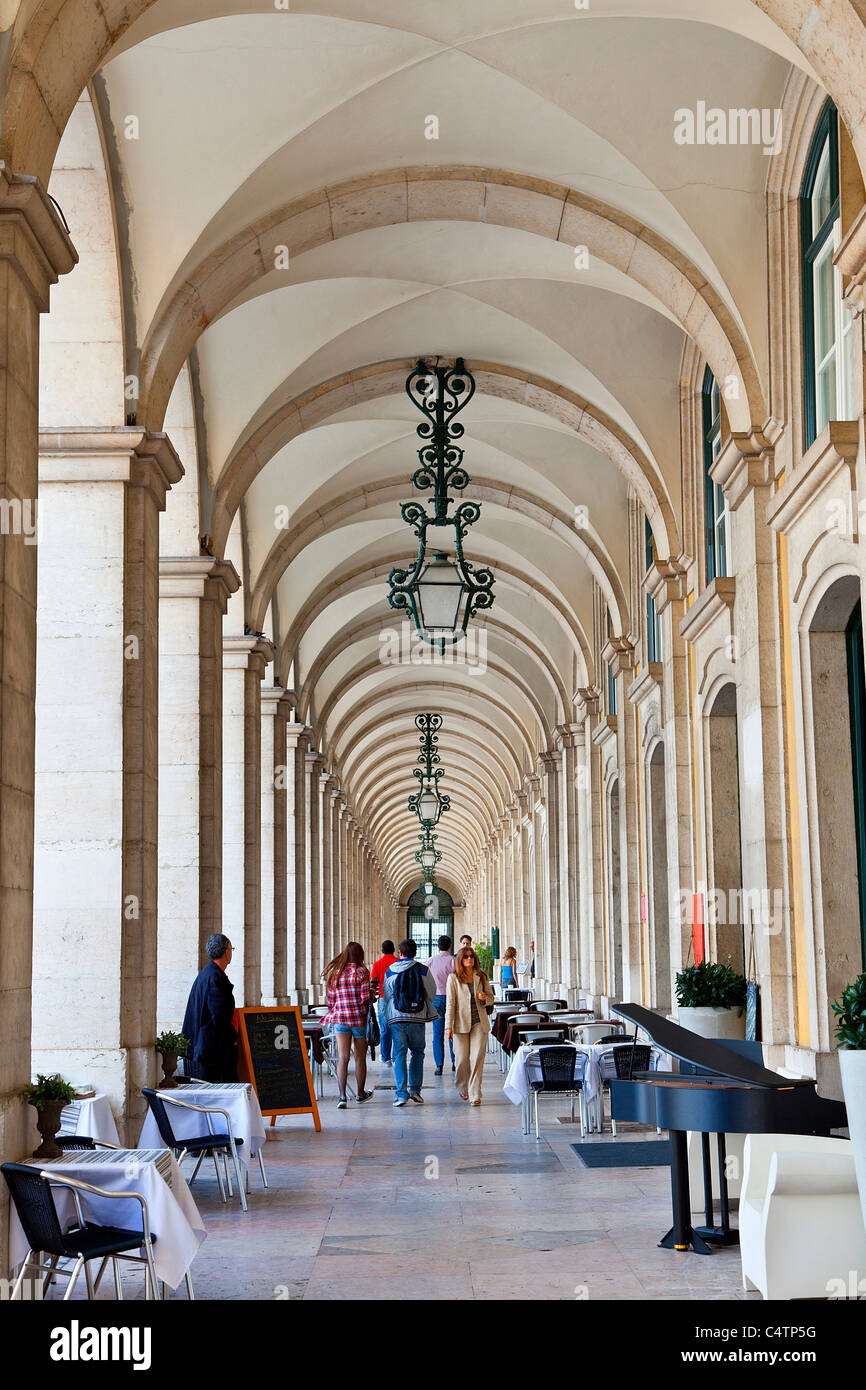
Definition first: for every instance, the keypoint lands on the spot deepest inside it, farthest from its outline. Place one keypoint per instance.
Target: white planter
(852, 1064)
(713, 1023)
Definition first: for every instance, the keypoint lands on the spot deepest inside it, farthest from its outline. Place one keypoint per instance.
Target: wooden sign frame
(245, 1063)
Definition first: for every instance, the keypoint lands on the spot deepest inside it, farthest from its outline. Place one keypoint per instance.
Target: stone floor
(444, 1201)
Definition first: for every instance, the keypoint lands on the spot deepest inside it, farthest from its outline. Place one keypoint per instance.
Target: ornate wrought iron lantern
(428, 855)
(441, 592)
(428, 803)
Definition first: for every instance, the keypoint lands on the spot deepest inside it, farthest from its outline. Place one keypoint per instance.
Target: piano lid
(701, 1052)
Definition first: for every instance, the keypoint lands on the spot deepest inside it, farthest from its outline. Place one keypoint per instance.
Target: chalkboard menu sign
(273, 1057)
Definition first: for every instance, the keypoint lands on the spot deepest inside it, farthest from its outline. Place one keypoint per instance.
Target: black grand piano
(721, 1088)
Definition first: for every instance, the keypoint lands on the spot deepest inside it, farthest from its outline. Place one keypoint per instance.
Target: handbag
(373, 1035)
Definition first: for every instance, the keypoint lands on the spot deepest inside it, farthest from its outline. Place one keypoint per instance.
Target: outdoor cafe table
(175, 1223)
(91, 1117)
(512, 1028)
(315, 1032)
(526, 1068)
(237, 1097)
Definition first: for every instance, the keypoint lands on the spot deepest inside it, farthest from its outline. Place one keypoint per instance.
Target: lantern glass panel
(440, 596)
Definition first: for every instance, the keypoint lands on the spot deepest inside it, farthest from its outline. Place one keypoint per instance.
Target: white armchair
(800, 1221)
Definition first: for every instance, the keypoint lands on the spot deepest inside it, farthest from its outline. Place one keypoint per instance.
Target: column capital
(565, 736)
(746, 462)
(665, 583)
(586, 702)
(548, 762)
(198, 576)
(110, 454)
(618, 652)
(325, 783)
(274, 701)
(851, 260)
(295, 733)
(248, 653)
(315, 760)
(32, 235)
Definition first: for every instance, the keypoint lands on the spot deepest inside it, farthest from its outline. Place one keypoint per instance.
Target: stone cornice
(247, 654)
(115, 454)
(618, 652)
(32, 235)
(647, 683)
(835, 449)
(565, 736)
(586, 701)
(851, 260)
(745, 462)
(665, 583)
(717, 598)
(604, 731)
(197, 576)
(272, 697)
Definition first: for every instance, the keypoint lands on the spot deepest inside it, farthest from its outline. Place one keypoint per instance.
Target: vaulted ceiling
(286, 217)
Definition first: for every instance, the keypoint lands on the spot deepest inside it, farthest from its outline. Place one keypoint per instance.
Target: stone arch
(463, 194)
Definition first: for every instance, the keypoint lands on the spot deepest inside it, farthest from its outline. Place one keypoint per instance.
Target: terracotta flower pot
(48, 1123)
(169, 1063)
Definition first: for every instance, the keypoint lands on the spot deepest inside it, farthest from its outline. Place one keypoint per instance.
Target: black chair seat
(93, 1241)
(563, 1086)
(206, 1142)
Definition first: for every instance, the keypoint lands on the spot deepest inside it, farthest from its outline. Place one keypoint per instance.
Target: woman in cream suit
(468, 994)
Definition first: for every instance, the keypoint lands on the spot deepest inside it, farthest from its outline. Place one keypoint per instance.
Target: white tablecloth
(237, 1097)
(526, 1067)
(92, 1117)
(174, 1219)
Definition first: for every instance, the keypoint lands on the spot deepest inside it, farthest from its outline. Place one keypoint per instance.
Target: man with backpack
(409, 993)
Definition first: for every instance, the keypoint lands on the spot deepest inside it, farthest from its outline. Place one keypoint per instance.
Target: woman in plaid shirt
(349, 994)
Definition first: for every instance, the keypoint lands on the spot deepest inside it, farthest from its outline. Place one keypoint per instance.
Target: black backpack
(409, 996)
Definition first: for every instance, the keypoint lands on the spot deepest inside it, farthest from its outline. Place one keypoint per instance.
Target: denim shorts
(356, 1030)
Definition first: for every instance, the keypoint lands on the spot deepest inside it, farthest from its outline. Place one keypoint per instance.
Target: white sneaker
(399, 1102)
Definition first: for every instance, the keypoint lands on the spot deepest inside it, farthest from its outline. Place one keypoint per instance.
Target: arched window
(611, 679)
(827, 363)
(715, 504)
(653, 626)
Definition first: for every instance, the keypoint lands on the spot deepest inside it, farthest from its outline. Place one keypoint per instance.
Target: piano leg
(719, 1235)
(682, 1235)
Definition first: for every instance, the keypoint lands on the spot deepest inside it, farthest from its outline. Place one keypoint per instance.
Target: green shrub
(45, 1090)
(172, 1042)
(850, 1013)
(485, 957)
(710, 986)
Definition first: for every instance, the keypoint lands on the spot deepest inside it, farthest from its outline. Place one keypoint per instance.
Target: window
(653, 623)
(611, 680)
(827, 341)
(715, 505)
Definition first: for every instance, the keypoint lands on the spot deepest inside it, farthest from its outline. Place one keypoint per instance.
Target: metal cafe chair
(34, 1203)
(216, 1145)
(563, 1071)
(79, 1142)
(618, 1064)
(516, 996)
(549, 1006)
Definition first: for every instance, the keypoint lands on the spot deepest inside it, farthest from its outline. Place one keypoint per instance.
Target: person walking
(377, 974)
(469, 992)
(409, 994)
(349, 997)
(441, 966)
(508, 976)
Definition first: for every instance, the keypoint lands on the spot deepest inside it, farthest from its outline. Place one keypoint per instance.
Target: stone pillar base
(298, 997)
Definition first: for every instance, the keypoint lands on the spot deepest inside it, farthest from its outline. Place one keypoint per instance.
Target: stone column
(97, 758)
(275, 709)
(326, 795)
(550, 765)
(34, 252)
(193, 594)
(296, 862)
(244, 661)
(745, 469)
(628, 754)
(345, 872)
(566, 794)
(337, 807)
(313, 914)
(591, 800)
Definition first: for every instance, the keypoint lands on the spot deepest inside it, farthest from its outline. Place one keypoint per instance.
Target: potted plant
(485, 958)
(711, 1000)
(850, 1013)
(170, 1046)
(49, 1095)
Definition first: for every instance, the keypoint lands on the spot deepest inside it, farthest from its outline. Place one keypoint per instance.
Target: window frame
(814, 244)
(653, 629)
(716, 510)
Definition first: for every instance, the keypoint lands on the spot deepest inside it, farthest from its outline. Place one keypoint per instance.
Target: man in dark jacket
(207, 1023)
